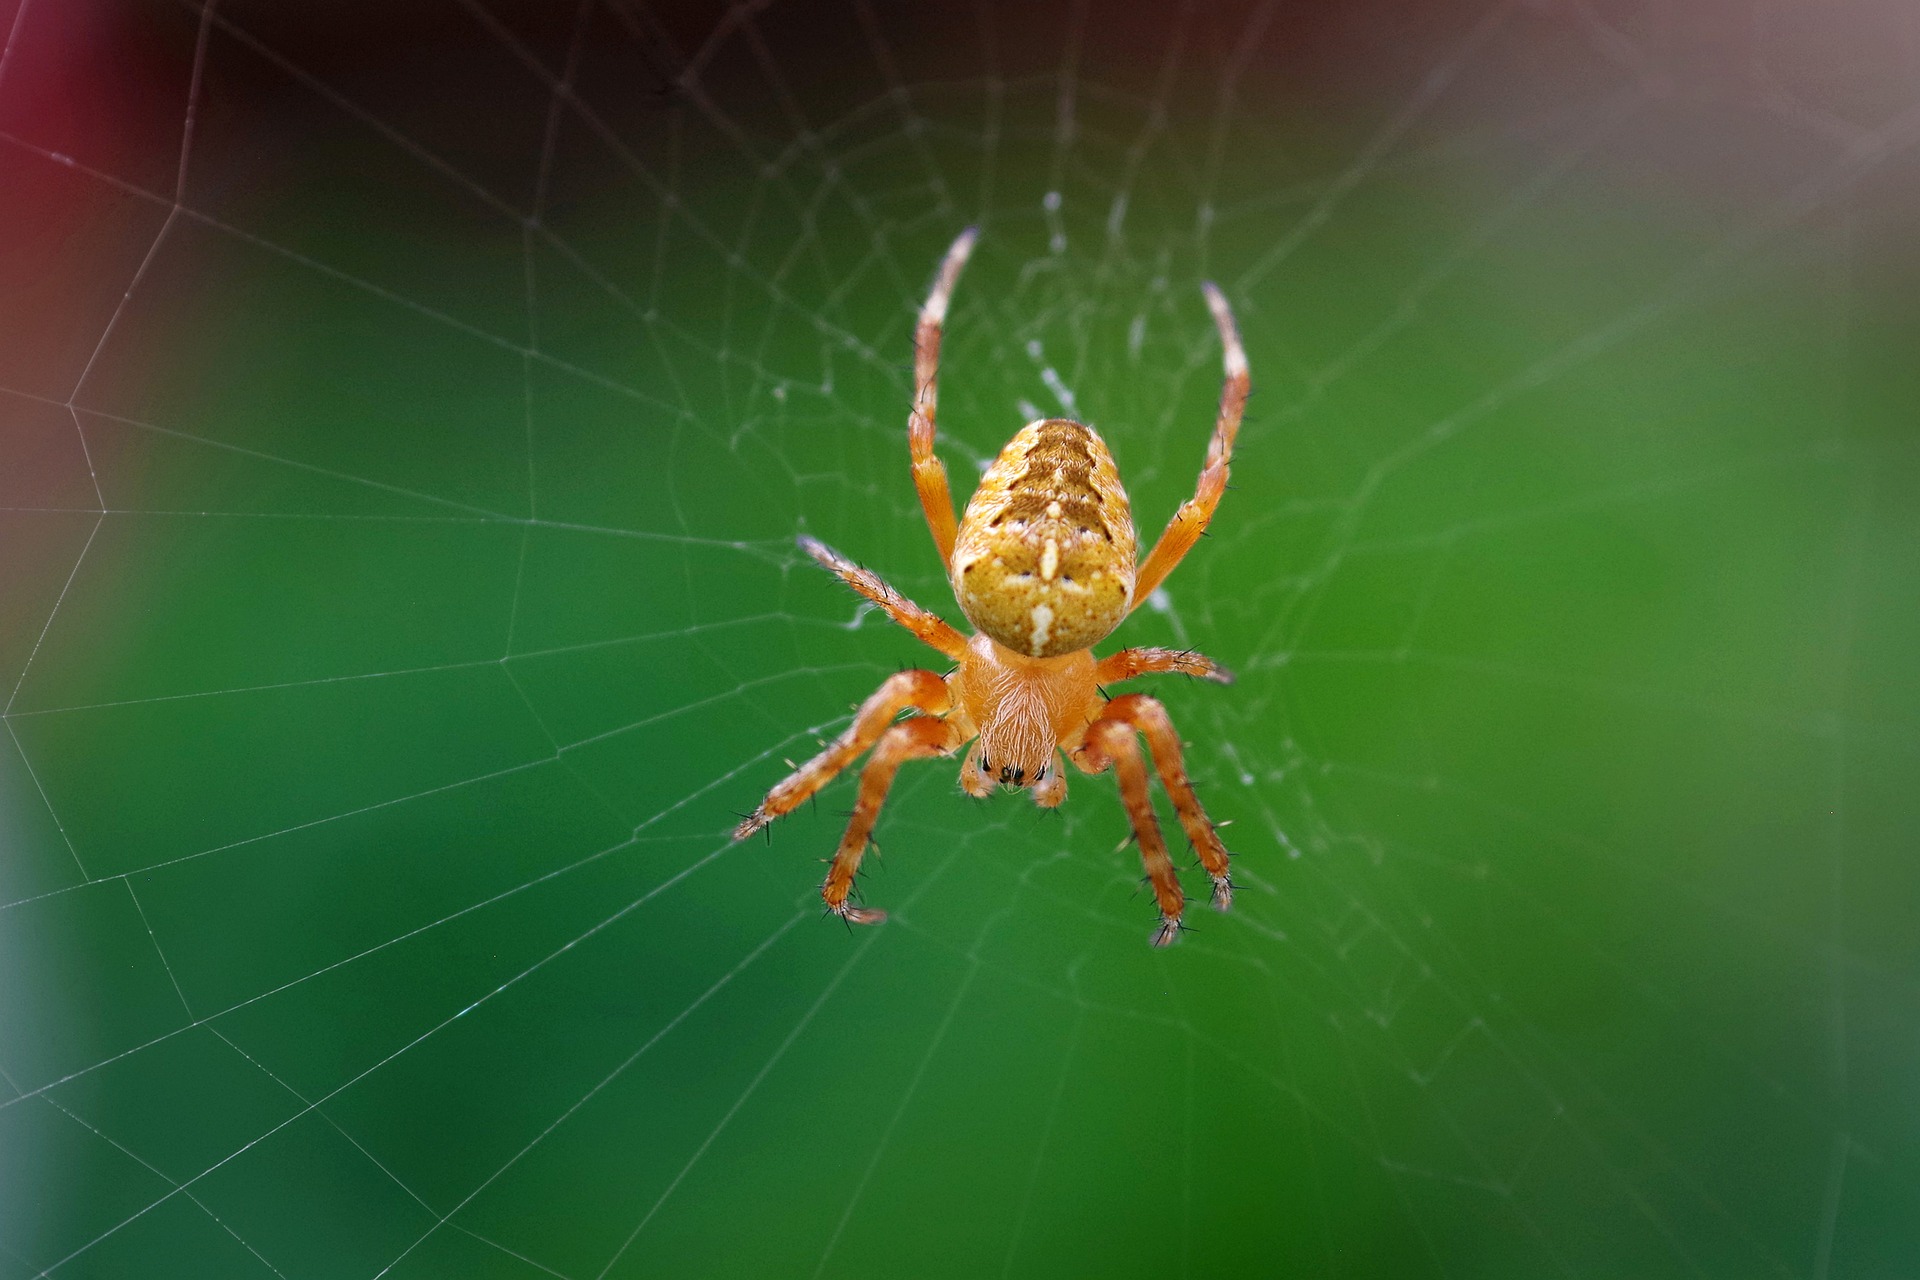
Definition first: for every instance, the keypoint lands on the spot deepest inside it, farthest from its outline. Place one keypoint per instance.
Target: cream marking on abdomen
(1042, 628)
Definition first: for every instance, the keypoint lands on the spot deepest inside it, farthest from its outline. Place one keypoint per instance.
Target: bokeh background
(406, 412)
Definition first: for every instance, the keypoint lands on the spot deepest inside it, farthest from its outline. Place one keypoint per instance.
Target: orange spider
(1043, 565)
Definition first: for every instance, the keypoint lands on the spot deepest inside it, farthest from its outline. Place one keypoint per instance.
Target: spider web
(407, 414)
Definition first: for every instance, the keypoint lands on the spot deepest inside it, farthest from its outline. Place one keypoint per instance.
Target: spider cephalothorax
(1043, 565)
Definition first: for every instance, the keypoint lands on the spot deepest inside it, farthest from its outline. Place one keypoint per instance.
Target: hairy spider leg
(1191, 520)
(921, 690)
(1128, 663)
(1111, 743)
(911, 739)
(929, 473)
(927, 627)
(1147, 715)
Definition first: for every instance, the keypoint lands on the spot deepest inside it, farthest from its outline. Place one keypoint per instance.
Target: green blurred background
(406, 412)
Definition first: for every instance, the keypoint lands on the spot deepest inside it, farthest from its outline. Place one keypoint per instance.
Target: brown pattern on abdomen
(1059, 470)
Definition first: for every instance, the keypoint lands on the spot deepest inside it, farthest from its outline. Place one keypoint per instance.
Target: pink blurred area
(92, 107)
(92, 104)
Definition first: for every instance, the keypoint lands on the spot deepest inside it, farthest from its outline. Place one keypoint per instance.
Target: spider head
(1008, 773)
(1011, 775)
(1024, 709)
(1016, 747)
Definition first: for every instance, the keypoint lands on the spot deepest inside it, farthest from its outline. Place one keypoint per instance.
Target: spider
(1043, 564)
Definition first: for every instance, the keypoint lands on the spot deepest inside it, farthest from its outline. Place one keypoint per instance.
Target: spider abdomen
(1044, 560)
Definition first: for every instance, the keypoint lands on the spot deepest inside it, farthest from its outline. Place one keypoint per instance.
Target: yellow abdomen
(1044, 562)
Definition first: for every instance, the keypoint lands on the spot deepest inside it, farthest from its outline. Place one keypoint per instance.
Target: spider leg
(1146, 714)
(1111, 743)
(1128, 663)
(1110, 740)
(927, 627)
(911, 739)
(1191, 520)
(922, 690)
(929, 473)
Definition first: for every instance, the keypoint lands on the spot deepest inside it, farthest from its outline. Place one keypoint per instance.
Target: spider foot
(856, 915)
(754, 822)
(1222, 893)
(1170, 928)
